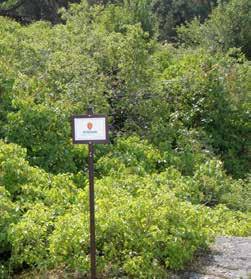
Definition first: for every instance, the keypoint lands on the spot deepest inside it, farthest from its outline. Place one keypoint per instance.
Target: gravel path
(230, 258)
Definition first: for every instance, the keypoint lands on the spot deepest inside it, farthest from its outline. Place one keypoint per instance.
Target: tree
(27, 11)
(172, 13)
(228, 27)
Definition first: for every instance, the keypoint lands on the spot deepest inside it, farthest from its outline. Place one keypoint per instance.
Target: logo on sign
(89, 129)
(89, 125)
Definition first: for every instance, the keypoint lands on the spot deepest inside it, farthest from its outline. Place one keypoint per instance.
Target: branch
(11, 13)
(19, 18)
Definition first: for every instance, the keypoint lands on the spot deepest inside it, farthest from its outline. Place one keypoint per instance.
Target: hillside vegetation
(176, 171)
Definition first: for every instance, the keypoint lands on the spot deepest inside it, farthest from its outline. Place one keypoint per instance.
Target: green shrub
(6, 85)
(208, 94)
(131, 155)
(61, 193)
(128, 237)
(184, 187)
(29, 237)
(69, 243)
(44, 133)
(191, 150)
(217, 187)
(9, 213)
(223, 221)
(14, 168)
(145, 224)
(16, 174)
(209, 186)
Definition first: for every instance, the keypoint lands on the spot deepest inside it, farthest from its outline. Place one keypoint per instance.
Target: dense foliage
(228, 27)
(170, 13)
(176, 172)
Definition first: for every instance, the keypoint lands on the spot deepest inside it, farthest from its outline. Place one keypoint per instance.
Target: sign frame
(86, 116)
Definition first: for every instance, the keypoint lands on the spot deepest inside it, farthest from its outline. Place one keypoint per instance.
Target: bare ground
(229, 258)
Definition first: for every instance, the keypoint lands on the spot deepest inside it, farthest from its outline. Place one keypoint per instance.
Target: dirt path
(230, 258)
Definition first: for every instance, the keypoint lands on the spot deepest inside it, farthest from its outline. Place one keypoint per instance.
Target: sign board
(89, 129)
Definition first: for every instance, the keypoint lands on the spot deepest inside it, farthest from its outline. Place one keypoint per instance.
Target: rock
(229, 258)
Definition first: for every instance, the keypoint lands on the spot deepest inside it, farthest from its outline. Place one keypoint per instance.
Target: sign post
(92, 211)
(90, 129)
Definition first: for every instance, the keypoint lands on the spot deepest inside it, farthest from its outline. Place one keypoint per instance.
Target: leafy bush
(15, 171)
(14, 168)
(29, 237)
(209, 186)
(223, 221)
(217, 188)
(131, 155)
(9, 213)
(131, 238)
(44, 133)
(6, 85)
(70, 246)
(208, 94)
(54, 227)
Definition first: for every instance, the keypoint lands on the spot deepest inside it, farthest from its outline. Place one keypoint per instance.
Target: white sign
(91, 128)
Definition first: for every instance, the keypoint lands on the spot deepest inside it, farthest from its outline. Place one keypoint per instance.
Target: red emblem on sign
(89, 125)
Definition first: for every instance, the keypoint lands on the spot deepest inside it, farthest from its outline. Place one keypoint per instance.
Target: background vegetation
(174, 78)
